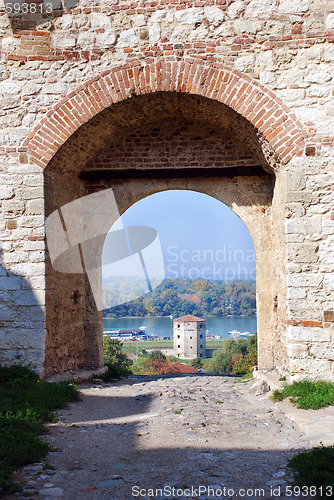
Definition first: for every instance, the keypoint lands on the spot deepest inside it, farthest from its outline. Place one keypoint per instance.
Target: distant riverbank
(163, 326)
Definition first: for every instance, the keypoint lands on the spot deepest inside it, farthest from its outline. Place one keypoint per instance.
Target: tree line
(179, 297)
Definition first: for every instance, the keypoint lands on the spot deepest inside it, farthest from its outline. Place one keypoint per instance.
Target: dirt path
(122, 440)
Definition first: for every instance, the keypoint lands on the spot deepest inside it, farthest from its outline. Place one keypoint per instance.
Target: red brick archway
(247, 97)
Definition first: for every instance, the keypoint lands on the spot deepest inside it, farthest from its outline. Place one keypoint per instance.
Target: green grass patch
(307, 395)
(25, 404)
(315, 469)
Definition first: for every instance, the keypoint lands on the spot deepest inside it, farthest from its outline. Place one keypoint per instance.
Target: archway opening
(161, 142)
(204, 266)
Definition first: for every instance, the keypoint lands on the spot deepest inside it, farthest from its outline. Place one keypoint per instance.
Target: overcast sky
(200, 237)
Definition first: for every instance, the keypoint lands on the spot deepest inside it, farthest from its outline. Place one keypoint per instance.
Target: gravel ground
(125, 440)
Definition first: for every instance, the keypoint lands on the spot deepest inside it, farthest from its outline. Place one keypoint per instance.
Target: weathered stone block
(303, 334)
(296, 293)
(106, 39)
(257, 8)
(55, 88)
(86, 39)
(314, 368)
(328, 282)
(330, 21)
(322, 352)
(10, 87)
(157, 16)
(37, 256)
(25, 298)
(298, 351)
(10, 283)
(294, 6)
(127, 38)
(28, 269)
(189, 16)
(318, 77)
(304, 253)
(214, 15)
(61, 41)
(13, 257)
(154, 33)
(236, 9)
(6, 192)
(99, 20)
(35, 207)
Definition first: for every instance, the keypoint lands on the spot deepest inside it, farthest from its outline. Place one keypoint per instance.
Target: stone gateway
(231, 98)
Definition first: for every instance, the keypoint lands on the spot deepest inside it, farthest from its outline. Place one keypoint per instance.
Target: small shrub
(25, 404)
(315, 469)
(16, 372)
(307, 395)
(196, 363)
(119, 365)
(115, 371)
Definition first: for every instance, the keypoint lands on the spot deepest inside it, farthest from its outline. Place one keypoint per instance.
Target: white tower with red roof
(189, 337)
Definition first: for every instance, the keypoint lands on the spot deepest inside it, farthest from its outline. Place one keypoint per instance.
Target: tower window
(178, 336)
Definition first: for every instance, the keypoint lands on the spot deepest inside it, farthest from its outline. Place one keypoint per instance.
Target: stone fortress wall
(86, 80)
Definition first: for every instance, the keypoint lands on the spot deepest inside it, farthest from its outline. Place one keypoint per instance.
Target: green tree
(114, 358)
(222, 359)
(156, 355)
(249, 360)
(196, 363)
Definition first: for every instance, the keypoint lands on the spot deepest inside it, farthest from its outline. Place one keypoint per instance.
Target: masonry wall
(282, 49)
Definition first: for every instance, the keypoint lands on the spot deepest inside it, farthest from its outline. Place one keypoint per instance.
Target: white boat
(245, 334)
(236, 334)
(126, 335)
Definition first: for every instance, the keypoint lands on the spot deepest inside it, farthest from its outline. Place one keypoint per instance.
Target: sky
(200, 238)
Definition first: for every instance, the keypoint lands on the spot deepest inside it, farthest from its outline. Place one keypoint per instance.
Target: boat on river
(236, 334)
(128, 335)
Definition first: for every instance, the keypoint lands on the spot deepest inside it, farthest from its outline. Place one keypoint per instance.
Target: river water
(162, 327)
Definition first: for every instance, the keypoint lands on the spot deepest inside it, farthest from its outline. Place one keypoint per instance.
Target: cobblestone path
(125, 440)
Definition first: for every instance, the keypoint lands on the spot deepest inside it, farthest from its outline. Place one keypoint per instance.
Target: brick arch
(244, 95)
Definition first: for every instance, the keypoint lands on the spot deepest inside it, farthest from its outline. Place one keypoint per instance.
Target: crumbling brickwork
(93, 85)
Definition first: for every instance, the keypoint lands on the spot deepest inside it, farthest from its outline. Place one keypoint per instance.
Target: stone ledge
(317, 425)
(79, 375)
(270, 377)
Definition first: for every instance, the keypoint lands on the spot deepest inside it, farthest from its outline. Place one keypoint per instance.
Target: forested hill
(179, 297)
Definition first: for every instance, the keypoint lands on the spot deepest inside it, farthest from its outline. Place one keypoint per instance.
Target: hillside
(179, 297)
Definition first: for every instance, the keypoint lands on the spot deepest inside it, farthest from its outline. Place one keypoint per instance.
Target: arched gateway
(145, 127)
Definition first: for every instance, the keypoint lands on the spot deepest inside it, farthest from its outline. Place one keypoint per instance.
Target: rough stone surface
(163, 432)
